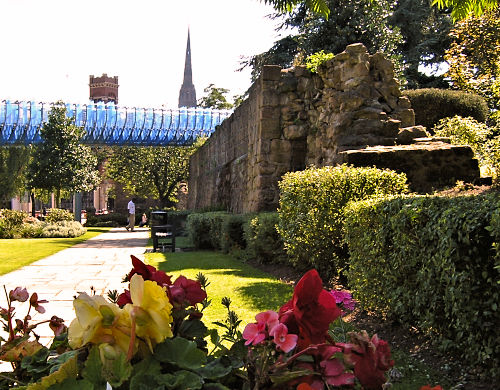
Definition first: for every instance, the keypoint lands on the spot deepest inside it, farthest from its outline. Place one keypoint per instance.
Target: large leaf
(192, 329)
(180, 352)
(178, 380)
(217, 368)
(93, 368)
(118, 371)
(73, 384)
(67, 370)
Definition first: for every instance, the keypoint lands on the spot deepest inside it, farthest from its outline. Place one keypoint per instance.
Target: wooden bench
(163, 236)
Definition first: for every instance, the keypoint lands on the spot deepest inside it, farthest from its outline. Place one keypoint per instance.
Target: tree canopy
(13, 164)
(154, 172)
(60, 162)
(215, 98)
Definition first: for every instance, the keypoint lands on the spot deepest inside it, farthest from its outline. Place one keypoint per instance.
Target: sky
(50, 47)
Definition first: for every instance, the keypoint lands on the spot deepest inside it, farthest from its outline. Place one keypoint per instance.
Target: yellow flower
(151, 310)
(99, 321)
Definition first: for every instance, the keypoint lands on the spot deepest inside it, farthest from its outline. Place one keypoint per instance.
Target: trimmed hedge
(205, 229)
(59, 215)
(111, 219)
(432, 104)
(432, 262)
(263, 242)
(311, 212)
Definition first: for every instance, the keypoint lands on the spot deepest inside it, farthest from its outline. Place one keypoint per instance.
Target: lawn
(16, 253)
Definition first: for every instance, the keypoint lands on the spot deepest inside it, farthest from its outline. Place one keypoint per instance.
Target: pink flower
(284, 341)
(19, 294)
(344, 297)
(257, 332)
(35, 303)
(371, 359)
(188, 291)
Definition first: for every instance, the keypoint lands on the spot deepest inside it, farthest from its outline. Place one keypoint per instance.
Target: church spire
(187, 94)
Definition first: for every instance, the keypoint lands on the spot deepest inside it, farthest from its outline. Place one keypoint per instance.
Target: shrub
(233, 235)
(58, 215)
(316, 59)
(205, 229)
(16, 224)
(63, 229)
(430, 262)
(432, 104)
(12, 218)
(178, 219)
(111, 219)
(263, 241)
(311, 211)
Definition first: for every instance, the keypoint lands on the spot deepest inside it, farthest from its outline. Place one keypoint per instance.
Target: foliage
(233, 235)
(431, 262)
(60, 162)
(363, 21)
(311, 211)
(474, 56)
(205, 229)
(263, 241)
(110, 219)
(467, 131)
(215, 98)
(13, 163)
(316, 59)
(318, 6)
(425, 38)
(57, 215)
(463, 8)
(432, 104)
(152, 171)
(62, 229)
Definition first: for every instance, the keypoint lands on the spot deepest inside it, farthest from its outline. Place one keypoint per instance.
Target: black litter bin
(162, 233)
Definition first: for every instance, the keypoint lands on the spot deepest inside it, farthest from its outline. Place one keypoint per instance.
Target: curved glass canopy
(108, 124)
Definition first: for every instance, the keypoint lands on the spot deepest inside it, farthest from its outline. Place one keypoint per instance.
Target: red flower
(428, 387)
(186, 290)
(310, 311)
(148, 272)
(124, 298)
(371, 359)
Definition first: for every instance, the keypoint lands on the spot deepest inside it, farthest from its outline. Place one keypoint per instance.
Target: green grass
(16, 253)
(251, 291)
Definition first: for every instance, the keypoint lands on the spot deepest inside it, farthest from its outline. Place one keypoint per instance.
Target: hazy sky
(50, 47)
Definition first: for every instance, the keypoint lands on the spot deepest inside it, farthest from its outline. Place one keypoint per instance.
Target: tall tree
(463, 8)
(474, 56)
(13, 163)
(154, 172)
(215, 98)
(364, 21)
(60, 162)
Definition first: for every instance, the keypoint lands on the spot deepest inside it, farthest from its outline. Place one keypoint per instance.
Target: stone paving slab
(100, 262)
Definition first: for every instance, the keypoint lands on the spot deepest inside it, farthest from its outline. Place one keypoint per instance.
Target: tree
(60, 162)
(13, 164)
(151, 171)
(215, 98)
(463, 8)
(474, 56)
(364, 21)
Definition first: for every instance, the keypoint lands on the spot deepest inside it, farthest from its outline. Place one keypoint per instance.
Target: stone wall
(350, 111)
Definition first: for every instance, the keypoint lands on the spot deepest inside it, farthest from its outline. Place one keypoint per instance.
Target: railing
(108, 124)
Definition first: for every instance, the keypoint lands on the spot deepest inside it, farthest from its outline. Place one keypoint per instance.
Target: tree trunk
(58, 198)
(33, 208)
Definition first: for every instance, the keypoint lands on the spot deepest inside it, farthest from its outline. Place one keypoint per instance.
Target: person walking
(131, 215)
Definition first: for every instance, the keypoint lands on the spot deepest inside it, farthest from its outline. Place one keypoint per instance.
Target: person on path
(144, 220)
(131, 215)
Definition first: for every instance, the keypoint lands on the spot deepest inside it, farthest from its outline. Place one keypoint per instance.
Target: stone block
(270, 98)
(269, 128)
(406, 116)
(406, 135)
(271, 72)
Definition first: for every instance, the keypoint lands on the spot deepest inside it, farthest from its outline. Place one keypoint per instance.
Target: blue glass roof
(108, 124)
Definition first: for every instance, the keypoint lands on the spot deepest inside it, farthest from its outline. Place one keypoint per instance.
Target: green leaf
(214, 386)
(181, 352)
(93, 368)
(178, 380)
(118, 372)
(73, 384)
(192, 329)
(216, 369)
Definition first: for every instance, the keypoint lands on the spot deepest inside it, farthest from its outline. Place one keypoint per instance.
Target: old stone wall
(350, 111)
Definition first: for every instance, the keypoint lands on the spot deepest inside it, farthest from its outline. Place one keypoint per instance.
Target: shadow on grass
(263, 296)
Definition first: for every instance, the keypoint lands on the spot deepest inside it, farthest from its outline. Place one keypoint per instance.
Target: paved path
(100, 262)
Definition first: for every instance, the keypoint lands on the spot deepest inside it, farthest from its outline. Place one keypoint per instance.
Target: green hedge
(263, 242)
(111, 219)
(205, 229)
(431, 262)
(59, 215)
(432, 104)
(311, 212)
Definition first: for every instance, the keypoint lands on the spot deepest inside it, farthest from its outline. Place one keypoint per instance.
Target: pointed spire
(187, 94)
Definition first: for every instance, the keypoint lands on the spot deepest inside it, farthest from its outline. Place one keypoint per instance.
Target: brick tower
(187, 94)
(104, 88)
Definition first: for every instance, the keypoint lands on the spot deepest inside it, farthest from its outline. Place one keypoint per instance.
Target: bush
(311, 212)
(233, 235)
(432, 104)
(431, 262)
(263, 241)
(178, 219)
(63, 229)
(58, 215)
(111, 219)
(17, 224)
(205, 229)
